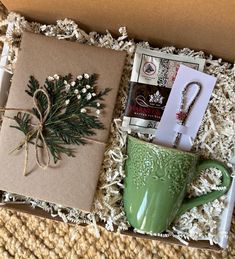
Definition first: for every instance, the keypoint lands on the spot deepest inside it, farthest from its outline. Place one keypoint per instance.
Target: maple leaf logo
(156, 98)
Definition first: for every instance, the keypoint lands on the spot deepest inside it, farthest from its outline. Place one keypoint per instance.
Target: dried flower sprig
(64, 109)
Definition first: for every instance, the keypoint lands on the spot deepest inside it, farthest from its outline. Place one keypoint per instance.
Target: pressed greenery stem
(70, 119)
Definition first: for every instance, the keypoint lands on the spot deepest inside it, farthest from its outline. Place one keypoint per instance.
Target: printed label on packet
(145, 106)
(152, 77)
(157, 68)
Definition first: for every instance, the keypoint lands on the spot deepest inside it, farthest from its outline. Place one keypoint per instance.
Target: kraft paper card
(72, 181)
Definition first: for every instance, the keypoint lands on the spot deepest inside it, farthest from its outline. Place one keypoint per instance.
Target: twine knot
(37, 129)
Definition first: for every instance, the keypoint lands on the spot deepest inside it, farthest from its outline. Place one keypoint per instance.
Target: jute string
(37, 129)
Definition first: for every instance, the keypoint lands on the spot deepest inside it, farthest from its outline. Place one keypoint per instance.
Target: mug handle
(226, 181)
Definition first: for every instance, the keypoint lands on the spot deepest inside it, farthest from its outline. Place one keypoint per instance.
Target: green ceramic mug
(156, 181)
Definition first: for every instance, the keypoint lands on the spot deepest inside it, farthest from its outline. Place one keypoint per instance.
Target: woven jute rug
(25, 236)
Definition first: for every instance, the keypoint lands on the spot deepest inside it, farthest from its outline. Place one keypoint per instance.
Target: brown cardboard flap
(198, 24)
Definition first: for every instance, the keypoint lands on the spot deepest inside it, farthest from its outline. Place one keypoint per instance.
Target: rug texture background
(25, 236)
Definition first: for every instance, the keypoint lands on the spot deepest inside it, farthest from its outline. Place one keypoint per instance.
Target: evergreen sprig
(75, 106)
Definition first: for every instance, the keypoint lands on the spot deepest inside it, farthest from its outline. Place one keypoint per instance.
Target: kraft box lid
(199, 25)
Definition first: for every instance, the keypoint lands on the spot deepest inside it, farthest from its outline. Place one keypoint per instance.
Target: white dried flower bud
(73, 83)
(76, 91)
(67, 102)
(65, 82)
(50, 78)
(84, 90)
(88, 86)
(89, 96)
(83, 110)
(98, 104)
(86, 76)
(98, 112)
(67, 87)
(79, 77)
(79, 97)
(93, 94)
(56, 76)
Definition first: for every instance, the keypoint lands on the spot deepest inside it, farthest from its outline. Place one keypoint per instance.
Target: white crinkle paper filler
(215, 139)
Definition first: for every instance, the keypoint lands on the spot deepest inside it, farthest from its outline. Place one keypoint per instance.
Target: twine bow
(37, 129)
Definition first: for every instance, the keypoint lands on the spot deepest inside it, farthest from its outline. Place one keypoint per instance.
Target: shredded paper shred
(215, 138)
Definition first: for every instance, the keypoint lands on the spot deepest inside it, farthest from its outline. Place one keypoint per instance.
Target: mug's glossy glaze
(156, 181)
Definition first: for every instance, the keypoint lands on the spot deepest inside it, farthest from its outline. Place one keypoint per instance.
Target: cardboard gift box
(200, 25)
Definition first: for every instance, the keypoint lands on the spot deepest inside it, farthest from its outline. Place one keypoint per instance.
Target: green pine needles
(73, 114)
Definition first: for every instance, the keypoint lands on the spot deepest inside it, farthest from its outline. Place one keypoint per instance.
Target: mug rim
(162, 147)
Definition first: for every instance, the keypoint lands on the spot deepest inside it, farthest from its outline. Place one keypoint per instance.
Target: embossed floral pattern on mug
(159, 164)
(156, 181)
